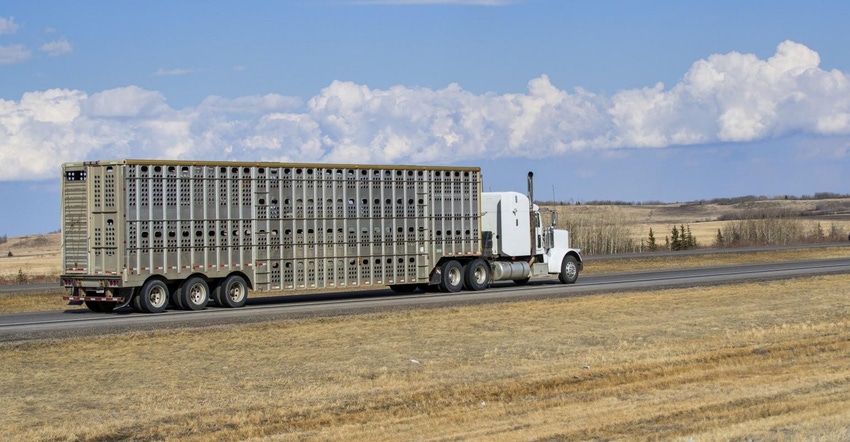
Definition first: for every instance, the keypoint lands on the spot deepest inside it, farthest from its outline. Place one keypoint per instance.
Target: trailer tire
(451, 278)
(569, 270)
(232, 292)
(153, 296)
(135, 301)
(403, 288)
(194, 294)
(476, 275)
(175, 297)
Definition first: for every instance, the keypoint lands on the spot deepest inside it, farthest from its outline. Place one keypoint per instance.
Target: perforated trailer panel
(285, 226)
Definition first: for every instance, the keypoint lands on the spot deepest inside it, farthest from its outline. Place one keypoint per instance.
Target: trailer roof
(265, 164)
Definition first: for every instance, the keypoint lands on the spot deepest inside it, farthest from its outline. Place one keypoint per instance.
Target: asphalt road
(81, 322)
(18, 288)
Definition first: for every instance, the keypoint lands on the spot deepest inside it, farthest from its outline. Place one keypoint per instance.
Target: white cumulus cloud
(57, 47)
(730, 97)
(14, 54)
(172, 72)
(8, 25)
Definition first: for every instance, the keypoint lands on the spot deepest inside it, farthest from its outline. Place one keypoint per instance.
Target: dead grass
(37, 257)
(650, 263)
(766, 361)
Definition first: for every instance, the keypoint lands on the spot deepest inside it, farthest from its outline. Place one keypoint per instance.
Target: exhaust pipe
(531, 215)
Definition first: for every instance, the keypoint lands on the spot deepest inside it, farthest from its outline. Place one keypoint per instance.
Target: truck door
(537, 229)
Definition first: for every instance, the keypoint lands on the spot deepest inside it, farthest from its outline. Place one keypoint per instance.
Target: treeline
(4, 239)
(774, 231)
(605, 233)
(719, 201)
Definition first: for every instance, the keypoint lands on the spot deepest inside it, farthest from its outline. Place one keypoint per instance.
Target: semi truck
(154, 233)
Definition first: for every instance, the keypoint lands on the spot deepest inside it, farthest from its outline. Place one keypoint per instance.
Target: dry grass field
(762, 361)
(705, 219)
(37, 258)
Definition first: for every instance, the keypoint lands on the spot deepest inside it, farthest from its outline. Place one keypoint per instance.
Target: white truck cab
(519, 246)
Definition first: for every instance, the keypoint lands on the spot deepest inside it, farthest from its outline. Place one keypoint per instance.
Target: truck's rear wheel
(569, 270)
(476, 275)
(194, 294)
(232, 292)
(153, 296)
(451, 277)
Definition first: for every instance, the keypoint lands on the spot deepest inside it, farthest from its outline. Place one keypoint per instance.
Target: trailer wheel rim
(158, 296)
(236, 292)
(197, 294)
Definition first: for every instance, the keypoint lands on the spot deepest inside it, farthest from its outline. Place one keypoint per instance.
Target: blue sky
(604, 100)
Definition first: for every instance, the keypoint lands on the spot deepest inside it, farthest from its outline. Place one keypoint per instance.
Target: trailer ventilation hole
(198, 233)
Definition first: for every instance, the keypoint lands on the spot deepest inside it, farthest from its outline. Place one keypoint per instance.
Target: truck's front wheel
(569, 270)
(153, 297)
